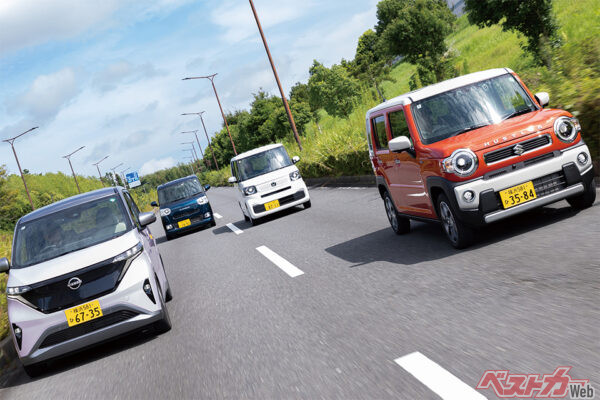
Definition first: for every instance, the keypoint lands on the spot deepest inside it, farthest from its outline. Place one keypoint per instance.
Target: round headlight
(164, 212)
(250, 190)
(462, 162)
(566, 129)
(202, 200)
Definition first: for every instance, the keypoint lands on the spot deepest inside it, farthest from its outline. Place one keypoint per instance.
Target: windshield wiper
(470, 128)
(518, 112)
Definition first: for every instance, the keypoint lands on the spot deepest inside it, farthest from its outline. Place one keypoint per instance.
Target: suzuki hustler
(473, 150)
(84, 270)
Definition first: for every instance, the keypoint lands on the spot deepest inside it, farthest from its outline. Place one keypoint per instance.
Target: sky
(107, 74)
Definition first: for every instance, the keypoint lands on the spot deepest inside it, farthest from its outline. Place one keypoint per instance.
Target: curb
(341, 181)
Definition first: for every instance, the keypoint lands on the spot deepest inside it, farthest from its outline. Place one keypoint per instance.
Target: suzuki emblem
(74, 283)
(518, 149)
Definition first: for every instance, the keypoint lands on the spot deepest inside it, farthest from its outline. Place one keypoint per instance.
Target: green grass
(5, 246)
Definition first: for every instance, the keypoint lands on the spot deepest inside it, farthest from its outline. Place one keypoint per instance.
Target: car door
(406, 171)
(384, 159)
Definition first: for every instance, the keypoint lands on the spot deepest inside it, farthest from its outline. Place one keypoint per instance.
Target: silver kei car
(84, 270)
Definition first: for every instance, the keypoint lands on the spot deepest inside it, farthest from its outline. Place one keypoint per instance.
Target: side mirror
(400, 144)
(232, 179)
(4, 265)
(206, 187)
(295, 159)
(543, 98)
(146, 218)
(154, 204)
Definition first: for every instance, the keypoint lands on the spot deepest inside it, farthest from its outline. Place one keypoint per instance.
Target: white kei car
(267, 182)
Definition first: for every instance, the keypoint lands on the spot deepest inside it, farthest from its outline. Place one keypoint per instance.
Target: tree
(369, 64)
(332, 89)
(533, 18)
(416, 30)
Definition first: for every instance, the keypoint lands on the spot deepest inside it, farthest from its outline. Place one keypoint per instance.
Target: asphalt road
(526, 298)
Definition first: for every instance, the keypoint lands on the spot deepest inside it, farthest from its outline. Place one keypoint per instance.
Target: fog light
(469, 196)
(148, 290)
(582, 158)
(207, 215)
(18, 335)
(169, 227)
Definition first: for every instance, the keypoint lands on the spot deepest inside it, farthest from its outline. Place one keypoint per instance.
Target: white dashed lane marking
(235, 229)
(281, 262)
(218, 216)
(436, 378)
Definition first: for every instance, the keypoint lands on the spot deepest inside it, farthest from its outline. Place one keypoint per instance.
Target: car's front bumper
(297, 194)
(556, 177)
(128, 308)
(198, 219)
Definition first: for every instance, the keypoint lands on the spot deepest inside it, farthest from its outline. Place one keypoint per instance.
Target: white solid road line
(218, 216)
(436, 378)
(235, 229)
(281, 262)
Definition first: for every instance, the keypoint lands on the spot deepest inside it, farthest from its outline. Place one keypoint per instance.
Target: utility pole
(285, 103)
(100, 174)
(206, 133)
(68, 157)
(11, 141)
(114, 173)
(211, 79)
(195, 132)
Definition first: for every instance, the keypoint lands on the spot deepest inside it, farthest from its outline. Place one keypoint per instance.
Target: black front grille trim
(543, 186)
(282, 201)
(277, 191)
(87, 327)
(507, 152)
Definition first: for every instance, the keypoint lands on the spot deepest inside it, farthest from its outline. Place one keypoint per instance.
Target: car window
(398, 124)
(179, 191)
(379, 133)
(133, 209)
(262, 163)
(69, 230)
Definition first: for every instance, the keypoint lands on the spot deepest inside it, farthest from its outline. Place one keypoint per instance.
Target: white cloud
(30, 22)
(155, 165)
(48, 94)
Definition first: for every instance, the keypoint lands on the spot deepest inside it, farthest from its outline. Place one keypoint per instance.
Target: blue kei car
(184, 206)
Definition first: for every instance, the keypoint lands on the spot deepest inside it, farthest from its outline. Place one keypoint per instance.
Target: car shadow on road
(246, 226)
(163, 239)
(427, 242)
(18, 376)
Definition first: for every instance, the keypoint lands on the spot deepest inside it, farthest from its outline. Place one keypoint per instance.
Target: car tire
(400, 225)
(459, 234)
(169, 237)
(34, 370)
(164, 325)
(168, 296)
(307, 205)
(246, 218)
(585, 199)
(213, 223)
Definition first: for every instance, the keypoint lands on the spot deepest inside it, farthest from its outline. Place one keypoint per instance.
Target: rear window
(179, 191)
(379, 133)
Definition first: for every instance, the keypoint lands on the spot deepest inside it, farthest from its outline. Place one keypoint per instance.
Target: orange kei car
(473, 150)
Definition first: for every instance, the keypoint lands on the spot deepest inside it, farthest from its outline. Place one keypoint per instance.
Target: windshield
(470, 107)
(263, 163)
(179, 191)
(69, 230)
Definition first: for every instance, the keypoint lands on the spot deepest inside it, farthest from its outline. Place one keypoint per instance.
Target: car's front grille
(509, 151)
(184, 214)
(87, 327)
(549, 184)
(259, 208)
(276, 191)
(55, 294)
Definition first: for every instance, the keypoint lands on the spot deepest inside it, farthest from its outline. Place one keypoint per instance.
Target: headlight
(135, 250)
(17, 290)
(250, 190)
(462, 162)
(566, 129)
(202, 200)
(294, 176)
(164, 212)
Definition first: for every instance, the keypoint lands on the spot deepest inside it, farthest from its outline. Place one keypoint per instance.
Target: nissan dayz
(84, 270)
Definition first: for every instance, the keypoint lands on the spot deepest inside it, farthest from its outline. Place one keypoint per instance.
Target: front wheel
(400, 225)
(307, 204)
(34, 370)
(164, 325)
(459, 234)
(585, 199)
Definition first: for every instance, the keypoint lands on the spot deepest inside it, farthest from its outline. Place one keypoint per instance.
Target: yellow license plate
(184, 223)
(518, 195)
(83, 313)
(271, 205)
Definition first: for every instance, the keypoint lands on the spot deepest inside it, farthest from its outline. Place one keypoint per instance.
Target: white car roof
(256, 151)
(441, 87)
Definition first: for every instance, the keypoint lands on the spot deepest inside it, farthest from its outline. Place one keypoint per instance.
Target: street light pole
(68, 157)
(123, 175)
(206, 133)
(285, 103)
(114, 174)
(192, 159)
(100, 174)
(11, 141)
(193, 149)
(211, 78)
(195, 132)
